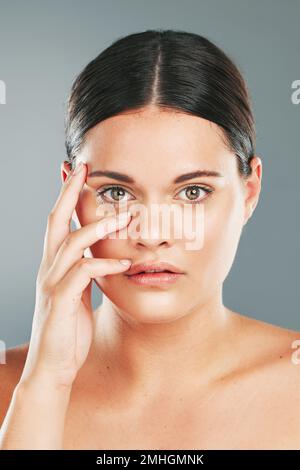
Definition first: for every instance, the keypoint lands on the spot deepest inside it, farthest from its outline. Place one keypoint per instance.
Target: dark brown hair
(171, 69)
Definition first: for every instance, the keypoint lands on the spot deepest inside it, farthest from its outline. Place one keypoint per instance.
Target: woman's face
(153, 148)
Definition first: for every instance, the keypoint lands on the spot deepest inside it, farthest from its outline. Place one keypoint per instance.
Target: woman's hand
(63, 317)
(62, 324)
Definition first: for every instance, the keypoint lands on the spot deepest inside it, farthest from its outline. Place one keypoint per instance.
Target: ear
(65, 169)
(253, 187)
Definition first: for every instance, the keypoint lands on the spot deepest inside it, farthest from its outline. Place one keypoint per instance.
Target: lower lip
(154, 278)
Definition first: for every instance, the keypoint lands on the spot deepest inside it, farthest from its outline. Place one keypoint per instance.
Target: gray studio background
(44, 45)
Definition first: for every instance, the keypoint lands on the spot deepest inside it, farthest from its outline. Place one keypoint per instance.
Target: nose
(151, 229)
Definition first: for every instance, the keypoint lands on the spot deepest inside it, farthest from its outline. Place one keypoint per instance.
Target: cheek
(109, 248)
(86, 207)
(222, 229)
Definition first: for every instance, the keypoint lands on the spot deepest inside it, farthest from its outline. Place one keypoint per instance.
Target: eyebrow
(179, 179)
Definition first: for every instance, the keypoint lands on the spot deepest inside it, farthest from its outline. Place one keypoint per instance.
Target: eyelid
(188, 185)
(110, 186)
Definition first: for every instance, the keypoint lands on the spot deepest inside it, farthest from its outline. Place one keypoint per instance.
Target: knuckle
(51, 216)
(84, 265)
(46, 288)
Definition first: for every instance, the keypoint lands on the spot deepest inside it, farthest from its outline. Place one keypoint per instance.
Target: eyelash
(207, 190)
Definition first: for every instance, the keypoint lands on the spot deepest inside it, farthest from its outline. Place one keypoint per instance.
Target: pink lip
(146, 266)
(154, 279)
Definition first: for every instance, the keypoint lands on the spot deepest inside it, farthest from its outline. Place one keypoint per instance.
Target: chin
(144, 305)
(146, 314)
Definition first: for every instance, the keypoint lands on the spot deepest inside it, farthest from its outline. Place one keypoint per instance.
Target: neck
(150, 355)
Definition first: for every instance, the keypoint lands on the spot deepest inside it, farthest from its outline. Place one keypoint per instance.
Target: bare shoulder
(272, 355)
(10, 373)
(271, 345)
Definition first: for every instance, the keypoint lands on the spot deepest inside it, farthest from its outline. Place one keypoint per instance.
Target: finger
(87, 296)
(74, 245)
(69, 290)
(59, 219)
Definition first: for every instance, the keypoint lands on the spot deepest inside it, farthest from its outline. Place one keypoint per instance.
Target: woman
(158, 119)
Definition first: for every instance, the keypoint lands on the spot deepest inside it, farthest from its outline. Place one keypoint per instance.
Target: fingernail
(125, 261)
(78, 168)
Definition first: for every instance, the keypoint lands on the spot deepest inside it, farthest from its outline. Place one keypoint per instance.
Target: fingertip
(125, 262)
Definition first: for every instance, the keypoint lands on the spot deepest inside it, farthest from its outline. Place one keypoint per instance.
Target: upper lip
(137, 268)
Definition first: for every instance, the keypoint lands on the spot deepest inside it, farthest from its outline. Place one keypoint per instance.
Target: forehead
(164, 141)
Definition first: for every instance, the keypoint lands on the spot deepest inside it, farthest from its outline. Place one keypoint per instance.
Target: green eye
(193, 191)
(117, 191)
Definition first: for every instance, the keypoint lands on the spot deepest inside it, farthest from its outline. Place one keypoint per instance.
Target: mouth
(154, 278)
(159, 274)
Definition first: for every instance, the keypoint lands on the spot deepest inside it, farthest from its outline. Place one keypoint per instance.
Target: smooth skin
(151, 368)
(62, 323)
